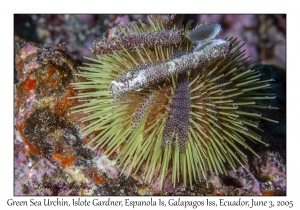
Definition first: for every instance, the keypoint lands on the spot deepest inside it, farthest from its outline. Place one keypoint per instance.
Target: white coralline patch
(172, 67)
(139, 79)
(115, 87)
(107, 166)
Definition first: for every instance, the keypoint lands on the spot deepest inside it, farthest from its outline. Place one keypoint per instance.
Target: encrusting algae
(188, 102)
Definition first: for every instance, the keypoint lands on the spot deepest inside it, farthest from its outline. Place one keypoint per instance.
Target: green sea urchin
(195, 120)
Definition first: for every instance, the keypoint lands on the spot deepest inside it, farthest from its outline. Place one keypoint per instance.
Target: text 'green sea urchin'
(191, 121)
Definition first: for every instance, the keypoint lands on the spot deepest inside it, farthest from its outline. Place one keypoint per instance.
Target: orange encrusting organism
(64, 160)
(30, 84)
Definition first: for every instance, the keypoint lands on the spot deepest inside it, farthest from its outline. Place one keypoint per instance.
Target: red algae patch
(64, 161)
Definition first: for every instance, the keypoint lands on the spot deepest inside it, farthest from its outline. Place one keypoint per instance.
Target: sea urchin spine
(131, 42)
(142, 77)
